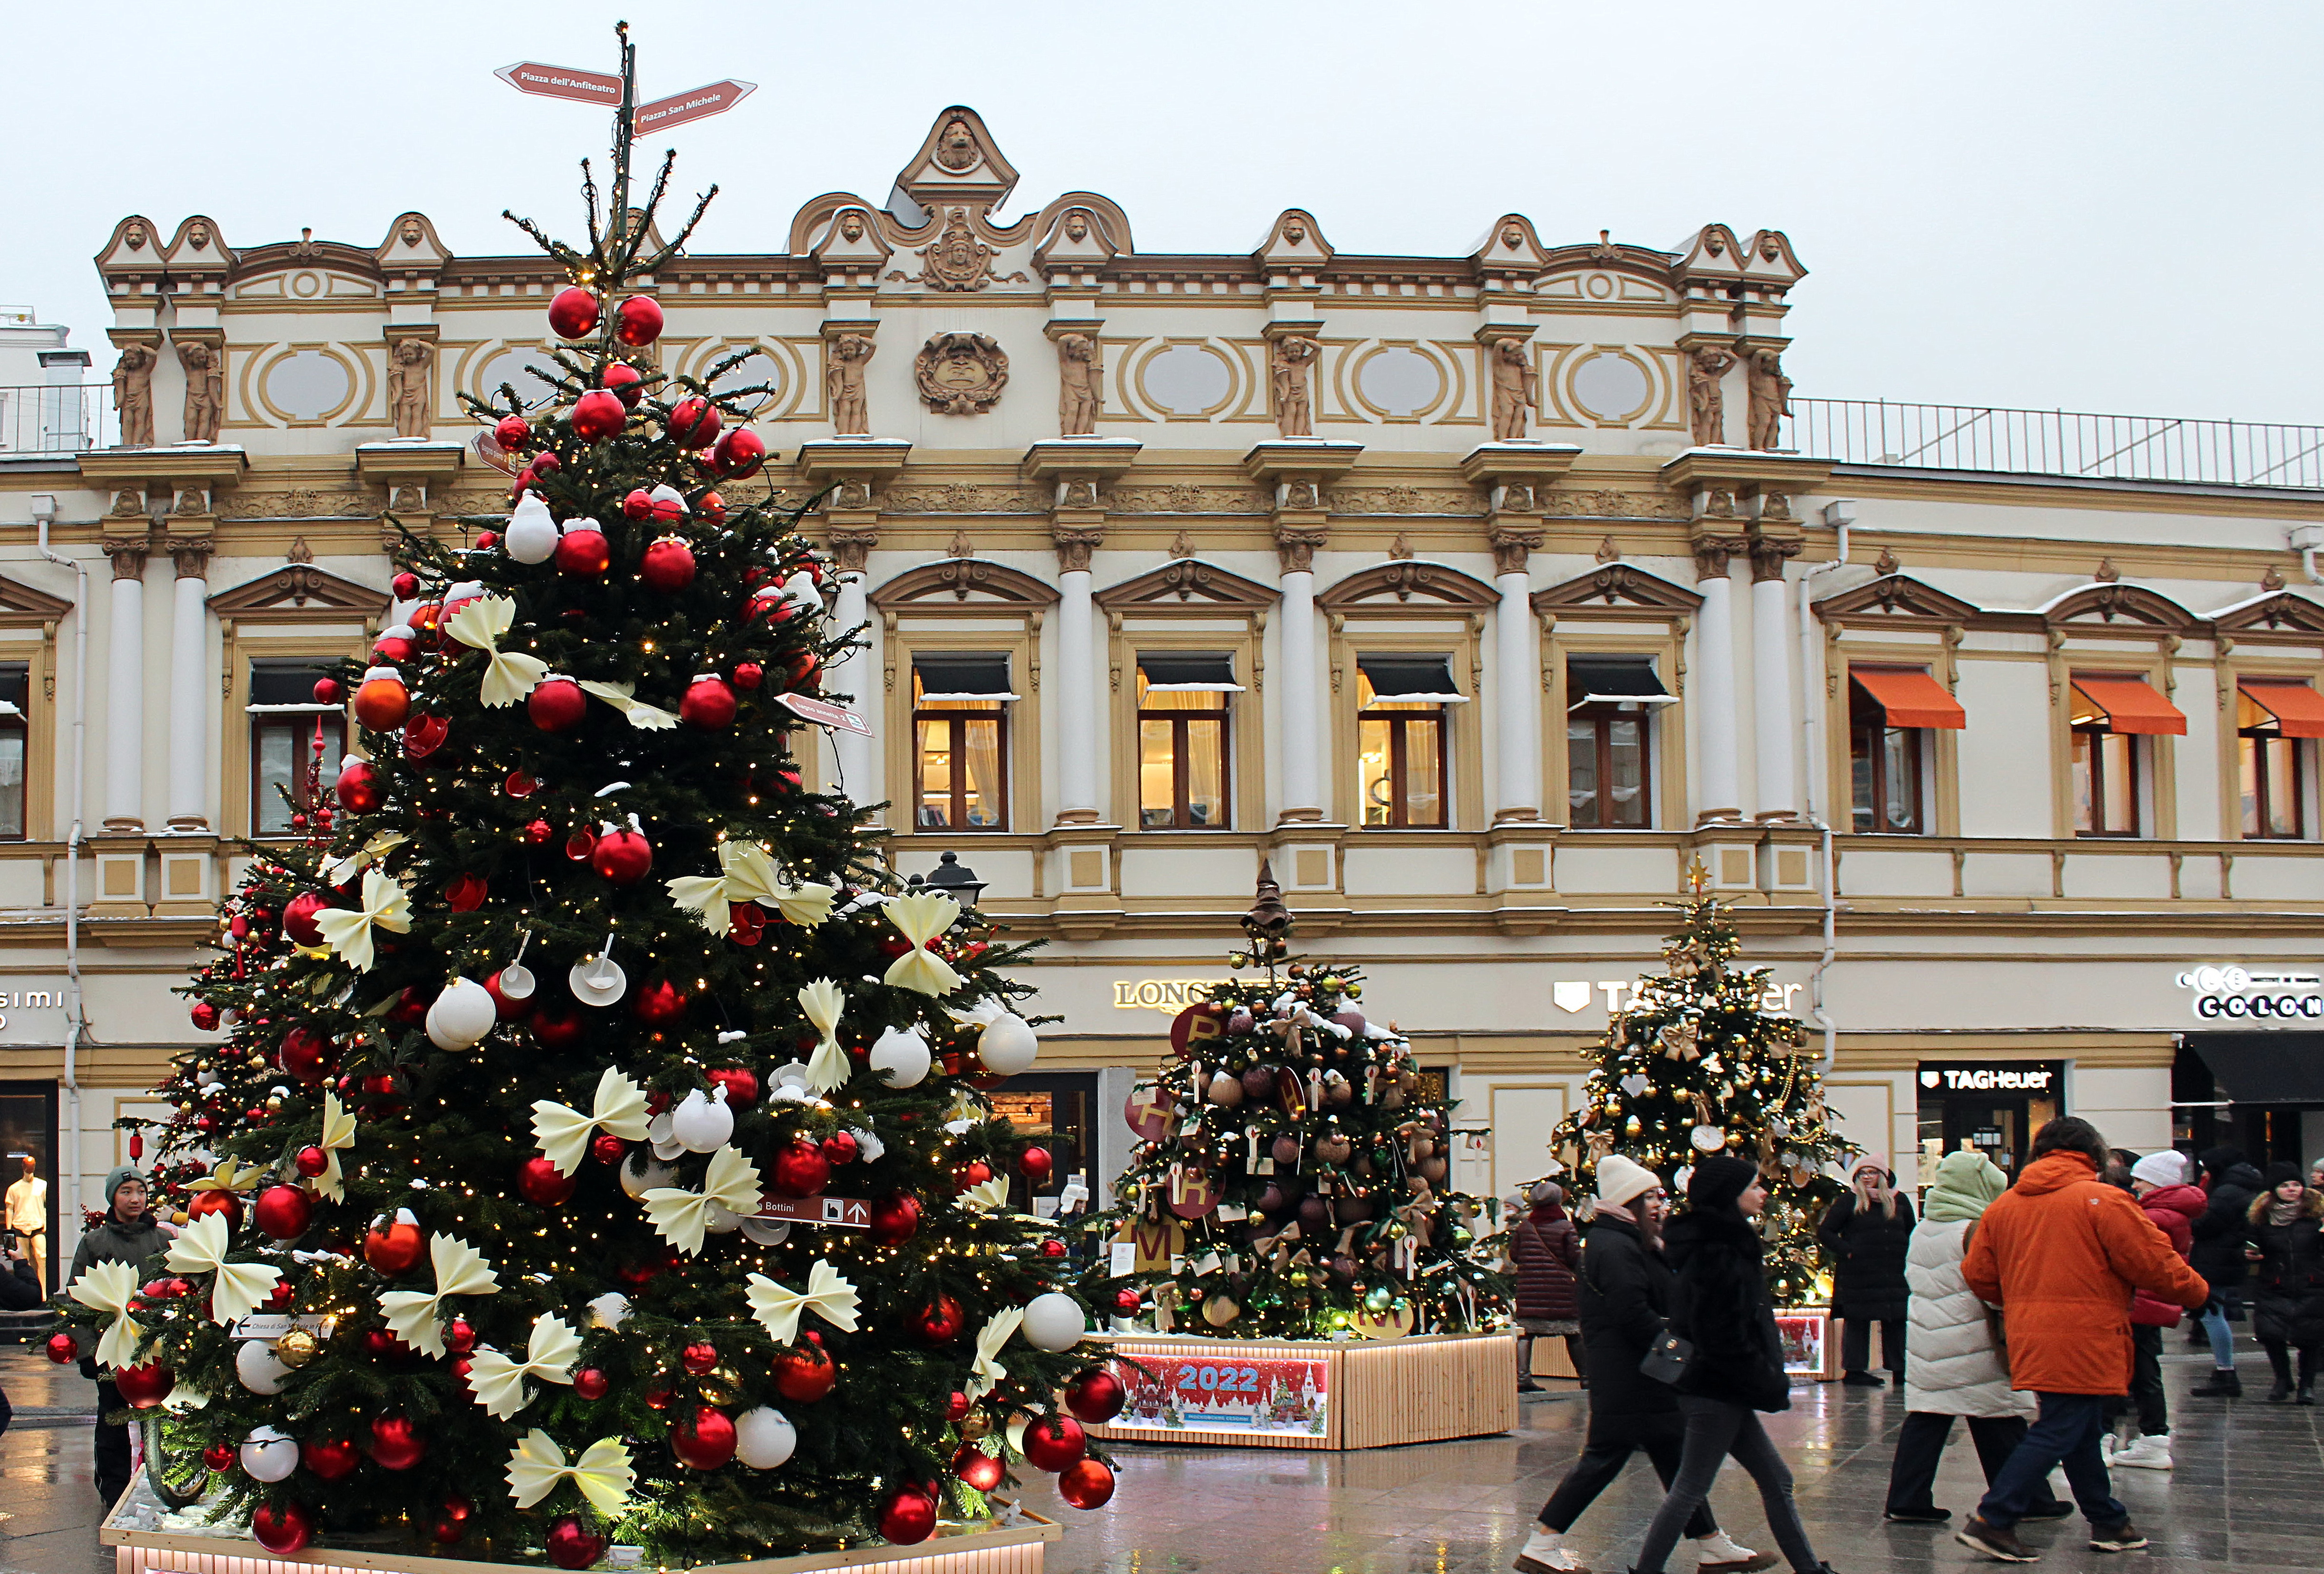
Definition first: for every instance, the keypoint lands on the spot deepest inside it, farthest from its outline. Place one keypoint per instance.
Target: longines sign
(2291, 997)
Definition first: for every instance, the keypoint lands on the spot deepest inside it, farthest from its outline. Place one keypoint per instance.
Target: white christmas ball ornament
(258, 1368)
(531, 533)
(701, 1123)
(901, 1055)
(268, 1456)
(461, 1016)
(1007, 1044)
(1053, 1322)
(640, 1175)
(764, 1438)
(608, 1310)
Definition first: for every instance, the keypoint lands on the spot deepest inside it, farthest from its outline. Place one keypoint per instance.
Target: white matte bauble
(901, 1055)
(531, 533)
(1007, 1044)
(258, 1366)
(720, 1220)
(608, 1310)
(462, 1014)
(764, 1438)
(1053, 1322)
(701, 1123)
(268, 1456)
(640, 1175)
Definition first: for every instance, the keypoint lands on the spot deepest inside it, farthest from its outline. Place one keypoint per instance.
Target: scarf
(2281, 1212)
(1966, 1186)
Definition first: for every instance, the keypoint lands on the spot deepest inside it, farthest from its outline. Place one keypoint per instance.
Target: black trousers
(1856, 1344)
(2279, 1357)
(1602, 1462)
(112, 1447)
(2146, 1396)
(1920, 1444)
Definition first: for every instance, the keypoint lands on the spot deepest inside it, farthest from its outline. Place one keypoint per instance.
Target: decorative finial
(1608, 552)
(1888, 562)
(2273, 579)
(2106, 572)
(1268, 920)
(1698, 877)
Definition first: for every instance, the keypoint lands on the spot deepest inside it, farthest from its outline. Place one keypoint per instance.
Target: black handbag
(1669, 1359)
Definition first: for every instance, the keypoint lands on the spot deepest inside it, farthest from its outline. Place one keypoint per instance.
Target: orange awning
(2298, 710)
(2131, 704)
(1912, 698)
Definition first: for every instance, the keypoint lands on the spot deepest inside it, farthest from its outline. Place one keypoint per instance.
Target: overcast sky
(2095, 206)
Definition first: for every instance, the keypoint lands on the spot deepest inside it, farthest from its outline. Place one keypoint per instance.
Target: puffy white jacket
(1951, 1366)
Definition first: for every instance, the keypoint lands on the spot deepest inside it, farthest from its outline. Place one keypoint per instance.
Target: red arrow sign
(562, 82)
(824, 713)
(829, 1213)
(680, 107)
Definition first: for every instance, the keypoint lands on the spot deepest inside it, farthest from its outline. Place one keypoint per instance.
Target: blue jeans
(2066, 1433)
(2223, 1333)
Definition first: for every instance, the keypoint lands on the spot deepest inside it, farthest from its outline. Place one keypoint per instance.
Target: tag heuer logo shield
(1571, 994)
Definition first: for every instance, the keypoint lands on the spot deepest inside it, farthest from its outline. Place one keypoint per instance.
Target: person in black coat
(1736, 1368)
(1868, 1231)
(2287, 1250)
(1625, 1285)
(2218, 1257)
(20, 1291)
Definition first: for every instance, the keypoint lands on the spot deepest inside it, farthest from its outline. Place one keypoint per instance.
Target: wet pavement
(2244, 1497)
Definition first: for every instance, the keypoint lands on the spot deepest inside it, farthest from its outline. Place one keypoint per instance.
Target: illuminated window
(1403, 776)
(2105, 771)
(12, 741)
(1610, 703)
(2270, 720)
(1892, 711)
(961, 740)
(1182, 740)
(286, 725)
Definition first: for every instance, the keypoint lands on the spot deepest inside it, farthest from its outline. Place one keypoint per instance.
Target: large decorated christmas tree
(1291, 1180)
(593, 1153)
(1698, 1064)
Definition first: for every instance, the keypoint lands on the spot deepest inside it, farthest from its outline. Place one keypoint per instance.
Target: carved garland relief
(961, 373)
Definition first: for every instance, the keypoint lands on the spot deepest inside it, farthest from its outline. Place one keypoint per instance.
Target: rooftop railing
(2072, 444)
(46, 420)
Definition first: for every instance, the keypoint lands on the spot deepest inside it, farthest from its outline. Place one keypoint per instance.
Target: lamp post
(951, 877)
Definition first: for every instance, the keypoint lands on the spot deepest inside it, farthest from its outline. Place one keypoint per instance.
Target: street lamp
(951, 877)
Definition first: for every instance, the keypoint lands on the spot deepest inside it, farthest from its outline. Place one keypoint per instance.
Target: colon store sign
(2265, 997)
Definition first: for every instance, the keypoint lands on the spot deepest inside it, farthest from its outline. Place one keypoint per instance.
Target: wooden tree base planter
(1315, 1394)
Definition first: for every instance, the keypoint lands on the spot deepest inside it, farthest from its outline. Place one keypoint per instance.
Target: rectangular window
(14, 748)
(1183, 741)
(2269, 765)
(1403, 765)
(2110, 715)
(1610, 702)
(285, 725)
(960, 741)
(1890, 713)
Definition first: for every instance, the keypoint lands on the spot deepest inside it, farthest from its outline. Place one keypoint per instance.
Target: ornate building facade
(1481, 595)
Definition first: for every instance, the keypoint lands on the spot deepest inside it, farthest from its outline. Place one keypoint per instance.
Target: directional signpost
(826, 1212)
(562, 82)
(619, 92)
(714, 99)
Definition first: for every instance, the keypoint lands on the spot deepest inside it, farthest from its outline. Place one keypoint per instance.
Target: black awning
(275, 683)
(1419, 678)
(2263, 1068)
(961, 674)
(1618, 679)
(1180, 670)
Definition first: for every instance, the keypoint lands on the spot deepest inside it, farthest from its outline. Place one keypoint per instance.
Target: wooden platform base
(1316, 1394)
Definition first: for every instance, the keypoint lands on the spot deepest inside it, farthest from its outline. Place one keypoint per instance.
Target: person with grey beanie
(126, 1234)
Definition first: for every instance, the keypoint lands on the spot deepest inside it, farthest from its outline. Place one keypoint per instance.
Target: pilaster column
(1516, 659)
(1719, 773)
(125, 698)
(851, 549)
(190, 772)
(1775, 542)
(1080, 729)
(1304, 743)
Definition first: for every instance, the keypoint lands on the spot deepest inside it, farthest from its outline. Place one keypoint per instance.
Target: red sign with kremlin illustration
(1263, 1395)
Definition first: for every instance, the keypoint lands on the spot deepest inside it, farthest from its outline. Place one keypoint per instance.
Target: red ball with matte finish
(1035, 1164)
(574, 312)
(708, 704)
(584, 551)
(841, 1148)
(383, 702)
(749, 675)
(557, 705)
(282, 1529)
(625, 382)
(637, 320)
(283, 1211)
(742, 1085)
(668, 566)
(396, 1249)
(1054, 1442)
(538, 1184)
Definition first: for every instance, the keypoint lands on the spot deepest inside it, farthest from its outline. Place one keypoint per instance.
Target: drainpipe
(44, 514)
(1839, 514)
(2305, 540)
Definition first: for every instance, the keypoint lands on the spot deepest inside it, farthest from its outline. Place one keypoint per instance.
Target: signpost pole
(624, 129)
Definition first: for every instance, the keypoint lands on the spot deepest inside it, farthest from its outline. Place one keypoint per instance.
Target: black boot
(2280, 1361)
(2224, 1384)
(2307, 1394)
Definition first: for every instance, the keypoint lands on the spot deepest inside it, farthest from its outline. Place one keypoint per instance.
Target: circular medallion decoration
(961, 373)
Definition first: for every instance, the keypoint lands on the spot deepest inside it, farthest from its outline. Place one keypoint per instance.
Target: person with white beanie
(1625, 1297)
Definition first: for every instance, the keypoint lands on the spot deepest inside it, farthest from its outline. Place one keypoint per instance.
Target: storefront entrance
(1053, 1110)
(1995, 1107)
(28, 1130)
(2262, 1093)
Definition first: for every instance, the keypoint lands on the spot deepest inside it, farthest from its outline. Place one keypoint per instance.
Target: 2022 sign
(1279, 1397)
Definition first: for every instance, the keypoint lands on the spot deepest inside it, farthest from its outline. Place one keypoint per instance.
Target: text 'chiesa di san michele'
(1478, 594)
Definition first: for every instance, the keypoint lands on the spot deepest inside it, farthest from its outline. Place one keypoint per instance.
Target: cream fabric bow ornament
(499, 1381)
(991, 1197)
(460, 1270)
(986, 1375)
(348, 930)
(200, 1248)
(829, 1296)
(338, 1138)
(684, 1217)
(563, 1132)
(340, 871)
(481, 625)
(748, 874)
(922, 918)
(823, 1002)
(622, 697)
(603, 1473)
(109, 1287)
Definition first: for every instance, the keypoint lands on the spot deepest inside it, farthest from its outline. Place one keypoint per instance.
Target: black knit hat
(2277, 1174)
(2219, 1160)
(1719, 1180)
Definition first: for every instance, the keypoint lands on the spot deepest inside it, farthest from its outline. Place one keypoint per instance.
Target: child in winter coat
(2287, 1249)
(2142, 1434)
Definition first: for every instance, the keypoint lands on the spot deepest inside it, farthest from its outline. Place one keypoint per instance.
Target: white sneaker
(1545, 1552)
(2148, 1453)
(1722, 1554)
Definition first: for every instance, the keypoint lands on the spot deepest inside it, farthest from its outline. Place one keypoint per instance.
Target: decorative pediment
(958, 163)
(412, 247)
(1296, 240)
(1625, 587)
(21, 605)
(198, 248)
(1192, 582)
(1769, 260)
(1716, 253)
(134, 250)
(1404, 579)
(2282, 611)
(1081, 230)
(852, 239)
(1511, 246)
(2116, 603)
(974, 580)
(1895, 595)
(298, 592)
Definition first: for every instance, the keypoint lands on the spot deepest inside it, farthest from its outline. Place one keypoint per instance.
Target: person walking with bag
(2060, 1253)
(1959, 1366)
(1722, 1338)
(1625, 1284)
(1868, 1231)
(1544, 1249)
(2288, 1307)
(126, 1234)
(2141, 1438)
(2218, 1257)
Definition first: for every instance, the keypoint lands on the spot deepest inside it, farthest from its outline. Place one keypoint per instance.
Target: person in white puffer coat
(1953, 1366)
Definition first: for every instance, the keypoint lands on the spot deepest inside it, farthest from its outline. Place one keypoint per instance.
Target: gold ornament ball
(296, 1349)
(975, 1425)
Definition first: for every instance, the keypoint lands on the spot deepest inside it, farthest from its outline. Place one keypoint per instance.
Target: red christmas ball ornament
(805, 1374)
(598, 415)
(559, 1025)
(460, 1336)
(539, 1182)
(311, 1162)
(410, 1010)
(448, 1530)
(1053, 1247)
(1035, 1164)
(1054, 1442)
(359, 788)
(487, 539)
(573, 313)
(668, 566)
(660, 1395)
(282, 1528)
(504, 1008)
(1127, 1303)
(592, 1385)
(638, 504)
(712, 508)
(742, 1085)
(637, 320)
(608, 1149)
(283, 1211)
(739, 454)
(330, 1458)
(747, 675)
(381, 1345)
(327, 691)
(571, 1547)
(557, 705)
(394, 1248)
(841, 1148)
(62, 1350)
(805, 669)
(395, 646)
(699, 1358)
(145, 1386)
(583, 549)
(974, 1172)
(466, 892)
(215, 1201)
(623, 856)
(800, 1171)
(519, 783)
(282, 1298)
(940, 1321)
(218, 1457)
(306, 1054)
(895, 1219)
(298, 918)
(396, 1443)
(382, 702)
(658, 1005)
(977, 1469)
(512, 432)
(537, 833)
(694, 422)
(1085, 1484)
(908, 1514)
(1097, 1397)
(957, 1408)
(405, 586)
(745, 922)
(625, 382)
(708, 702)
(205, 1017)
(546, 464)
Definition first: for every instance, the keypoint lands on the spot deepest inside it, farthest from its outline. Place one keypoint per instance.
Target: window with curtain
(1610, 703)
(15, 742)
(2269, 766)
(1183, 741)
(2105, 772)
(1884, 768)
(960, 759)
(1403, 768)
(284, 719)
